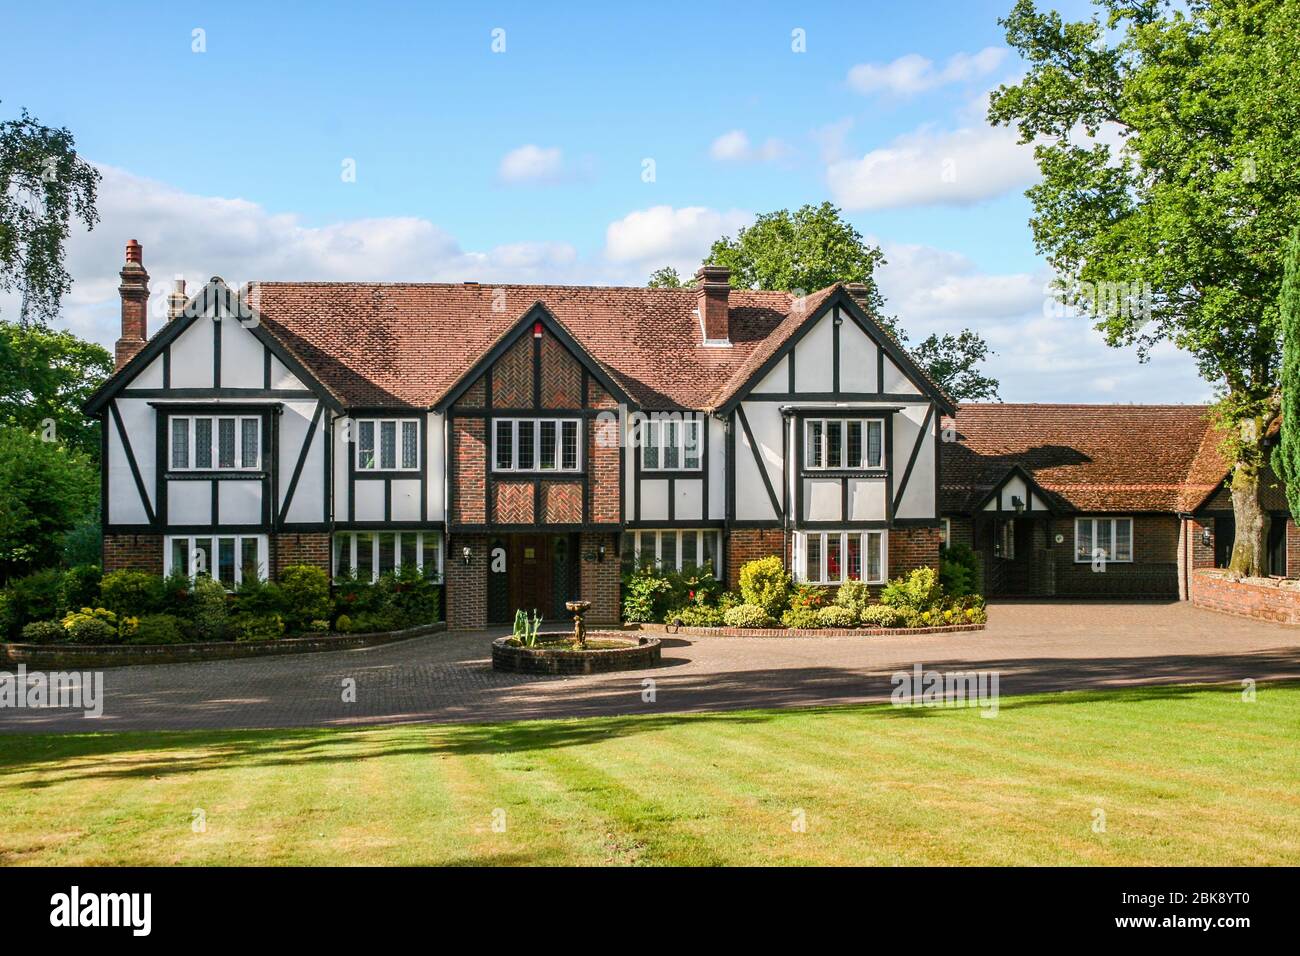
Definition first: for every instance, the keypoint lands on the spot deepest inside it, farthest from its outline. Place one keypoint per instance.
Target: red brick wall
(1213, 589)
(512, 376)
(912, 548)
(468, 442)
(133, 552)
(287, 549)
(749, 544)
(512, 502)
(561, 376)
(1153, 572)
(1292, 549)
(600, 582)
(562, 502)
(466, 585)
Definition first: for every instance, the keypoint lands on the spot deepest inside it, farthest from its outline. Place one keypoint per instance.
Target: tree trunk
(1250, 547)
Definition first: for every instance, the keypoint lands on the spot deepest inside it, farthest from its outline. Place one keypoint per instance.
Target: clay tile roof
(1114, 458)
(406, 344)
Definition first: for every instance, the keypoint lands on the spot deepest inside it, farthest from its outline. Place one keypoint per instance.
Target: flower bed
(121, 655)
(802, 631)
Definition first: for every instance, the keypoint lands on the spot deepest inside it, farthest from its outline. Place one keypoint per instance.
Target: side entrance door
(530, 573)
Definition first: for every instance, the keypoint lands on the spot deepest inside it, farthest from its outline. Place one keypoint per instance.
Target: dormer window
(388, 444)
(215, 442)
(843, 443)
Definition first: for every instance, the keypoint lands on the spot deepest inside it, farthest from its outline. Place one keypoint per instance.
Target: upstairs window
(671, 444)
(387, 444)
(215, 443)
(853, 443)
(536, 444)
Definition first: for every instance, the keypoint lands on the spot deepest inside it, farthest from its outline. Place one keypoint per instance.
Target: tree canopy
(46, 490)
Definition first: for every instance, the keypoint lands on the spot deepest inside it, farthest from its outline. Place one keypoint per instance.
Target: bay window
(1108, 538)
(372, 553)
(215, 442)
(671, 443)
(536, 444)
(852, 443)
(674, 549)
(387, 444)
(833, 557)
(228, 558)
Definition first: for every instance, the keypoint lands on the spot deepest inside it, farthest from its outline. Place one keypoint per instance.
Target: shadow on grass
(155, 755)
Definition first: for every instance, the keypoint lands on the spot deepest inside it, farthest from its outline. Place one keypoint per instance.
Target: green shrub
(881, 615)
(34, 598)
(8, 622)
(43, 632)
(246, 627)
(91, 626)
(801, 617)
(158, 629)
(344, 624)
(919, 591)
(258, 597)
(696, 615)
(958, 570)
(646, 594)
(211, 610)
(80, 587)
(729, 599)
(306, 595)
(320, 627)
(175, 595)
(808, 597)
(835, 616)
(747, 615)
(369, 622)
(131, 593)
(765, 583)
(413, 598)
(853, 595)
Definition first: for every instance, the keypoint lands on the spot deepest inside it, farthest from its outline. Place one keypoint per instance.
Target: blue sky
(528, 164)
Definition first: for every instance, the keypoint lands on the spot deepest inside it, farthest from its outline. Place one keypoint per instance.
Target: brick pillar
(1292, 549)
(600, 582)
(465, 593)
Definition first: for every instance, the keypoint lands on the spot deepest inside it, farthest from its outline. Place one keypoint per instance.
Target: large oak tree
(1167, 140)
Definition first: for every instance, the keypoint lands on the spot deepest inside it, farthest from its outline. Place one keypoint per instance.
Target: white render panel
(239, 502)
(918, 498)
(370, 500)
(406, 500)
(752, 502)
(821, 499)
(434, 462)
(717, 466)
(690, 499)
(192, 356)
(151, 376)
(241, 356)
(282, 378)
(308, 502)
(189, 502)
(896, 383)
(857, 359)
(124, 504)
(140, 422)
(777, 380)
(814, 357)
(654, 499)
(867, 499)
(340, 459)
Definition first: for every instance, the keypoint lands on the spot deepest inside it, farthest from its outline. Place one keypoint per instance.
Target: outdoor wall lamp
(465, 554)
(1207, 537)
(600, 553)
(1017, 504)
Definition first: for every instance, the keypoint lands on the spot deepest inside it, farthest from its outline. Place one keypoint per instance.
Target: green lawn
(1184, 775)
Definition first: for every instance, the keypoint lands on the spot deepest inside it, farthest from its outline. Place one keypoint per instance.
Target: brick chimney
(861, 295)
(176, 300)
(712, 287)
(134, 291)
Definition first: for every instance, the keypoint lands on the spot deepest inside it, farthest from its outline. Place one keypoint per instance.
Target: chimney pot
(176, 300)
(712, 291)
(134, 252)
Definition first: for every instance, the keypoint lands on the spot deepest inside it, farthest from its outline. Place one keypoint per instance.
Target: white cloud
(913, 73)
(666, 235)
(927, 167)
(735, 147)
(532, 164)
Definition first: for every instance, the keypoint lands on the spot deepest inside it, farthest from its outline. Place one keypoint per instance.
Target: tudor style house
(520, 442)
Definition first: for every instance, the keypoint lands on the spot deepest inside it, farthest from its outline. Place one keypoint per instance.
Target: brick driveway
(447, 677)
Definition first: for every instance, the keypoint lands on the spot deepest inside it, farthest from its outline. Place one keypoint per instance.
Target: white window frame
(1092, 538)
(215, 442)
(516, 425)
(654, 425)
(806, 575)
(821, 450)
(421, 539)
(397, 448)
(676, 560)
(192, 570)
(945, 532)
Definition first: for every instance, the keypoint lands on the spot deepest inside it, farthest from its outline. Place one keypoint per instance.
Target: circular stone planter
(605, 651)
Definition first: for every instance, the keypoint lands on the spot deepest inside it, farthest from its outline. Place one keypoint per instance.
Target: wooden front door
(530, 573)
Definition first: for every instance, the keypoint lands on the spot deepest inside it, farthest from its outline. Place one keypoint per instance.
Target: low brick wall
(122, 655)
(799, 632)
(1264, 599)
